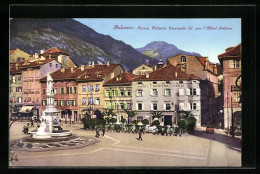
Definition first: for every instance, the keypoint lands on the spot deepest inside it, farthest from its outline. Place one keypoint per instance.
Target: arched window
(183, 58)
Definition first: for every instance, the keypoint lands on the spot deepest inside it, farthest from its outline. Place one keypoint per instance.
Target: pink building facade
(231, 63)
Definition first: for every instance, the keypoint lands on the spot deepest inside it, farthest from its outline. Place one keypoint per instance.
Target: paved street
(123, 149)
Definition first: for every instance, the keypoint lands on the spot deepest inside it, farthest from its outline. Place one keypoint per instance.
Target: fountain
(49, 118)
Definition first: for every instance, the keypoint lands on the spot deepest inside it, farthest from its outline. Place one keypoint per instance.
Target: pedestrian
(32, 125)
(140, 135)
(97, 133)
(103, 130)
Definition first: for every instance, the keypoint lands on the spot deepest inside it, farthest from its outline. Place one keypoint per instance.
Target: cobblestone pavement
(123, 149)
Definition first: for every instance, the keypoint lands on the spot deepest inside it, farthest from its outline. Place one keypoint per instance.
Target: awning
(26, 109)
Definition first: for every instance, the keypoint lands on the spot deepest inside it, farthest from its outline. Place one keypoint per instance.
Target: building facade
(118, 94)
(207, 72)
(90, 88)
(168, 90)
(32, 72)
(18, 55)
(231, 63)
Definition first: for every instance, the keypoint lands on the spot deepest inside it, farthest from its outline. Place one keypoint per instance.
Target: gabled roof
(149, 66)
(35, 63)
(123, 78)
(54, 50)
(98, 72)
(167, 73)
(12, 51)
(232, 52)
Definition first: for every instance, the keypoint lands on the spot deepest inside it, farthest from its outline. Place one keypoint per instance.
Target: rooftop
(167, 73)
(231, 52)
(54, 50)
(123, 78)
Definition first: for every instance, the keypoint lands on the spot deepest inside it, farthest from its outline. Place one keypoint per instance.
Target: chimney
(36, 55)
(82, 67)
(176, 74)
(71, 69)
(147, 76)
(42, 51)
(93, 63)
(89, 63)
(207, 63)
(62, 69)
(108, 62)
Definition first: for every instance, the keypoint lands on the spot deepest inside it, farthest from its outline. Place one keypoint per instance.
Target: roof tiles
(232, 52)
(54, 50)
(123, 78)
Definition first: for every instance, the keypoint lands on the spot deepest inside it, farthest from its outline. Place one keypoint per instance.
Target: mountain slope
(164, 50)
(81, 42)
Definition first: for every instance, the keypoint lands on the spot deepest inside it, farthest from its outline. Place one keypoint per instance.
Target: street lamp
(232, 127)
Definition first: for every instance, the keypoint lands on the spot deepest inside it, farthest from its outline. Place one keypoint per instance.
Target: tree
(145, 122)
(186, 120)
(123, 121)
(135, 122)
(157, 114)
(130, 113)
(155, 123)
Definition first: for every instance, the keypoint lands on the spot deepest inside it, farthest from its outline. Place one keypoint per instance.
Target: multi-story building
(90, 88)
(168, 90)
(207, 72)
(59, 55)
(118, 94)
(18, 55)
(231, 63)
(32, 72)
(65, 92)
(15, 87)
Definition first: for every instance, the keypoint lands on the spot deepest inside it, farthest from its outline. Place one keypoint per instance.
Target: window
(106, 92)
(139, 92)
(181, 91)
(168, 106)
(83, 88)
(19, 99)
(194, 91)
(234, 63)
(68, 90)
(167, 82)
(180, 81)
(75, 102)
(121, 105)
(129, 106)
(121, 117)
(75, 90)
(97, 88)
(139, 119)
(121, 92)
(154, 82)
(142, 73)
(140, 83)
(140, 106)
(62, 90)
(236, 96)
(167, 92)
(194, 107)
(183, 59)
(55, 91)
(56, 65)
(90, 101)
(44, 102)
(13, 79)
(43, 91)
(128, 92)
(91, 88)
(154, 92)
(113, 92)
(50, 64)
(181, 106)
(83, 101)
(154, 106)
(97, 101)
(56, 102)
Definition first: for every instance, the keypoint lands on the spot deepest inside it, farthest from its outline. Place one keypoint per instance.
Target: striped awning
(26, 109)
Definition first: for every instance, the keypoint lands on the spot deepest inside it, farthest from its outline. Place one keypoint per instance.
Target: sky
(208, 36)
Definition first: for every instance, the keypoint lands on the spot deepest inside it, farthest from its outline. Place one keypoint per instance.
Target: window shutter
(164, 106)
(198, 91)
(125, 105)
(151, 91)
(118, 92)
(181, 91)
(180, 106)
(125, 93)
(198, 105)
(136, 106)
(187, 91)
(110, 92)
(188, 106)
(142, 106)
(151, 106)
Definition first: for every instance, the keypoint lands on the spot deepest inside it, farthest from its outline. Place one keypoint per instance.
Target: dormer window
(142, 73)
(143, 67)
(154, 82)
(183, 58)
(139, 83)
(181, 81)
(167, 82)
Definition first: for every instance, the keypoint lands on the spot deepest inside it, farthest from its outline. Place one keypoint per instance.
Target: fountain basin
(59, 133)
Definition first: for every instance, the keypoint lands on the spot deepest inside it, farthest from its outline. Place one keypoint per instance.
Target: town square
(78, 97)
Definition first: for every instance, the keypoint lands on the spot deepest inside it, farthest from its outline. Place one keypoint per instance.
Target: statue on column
(49, 84)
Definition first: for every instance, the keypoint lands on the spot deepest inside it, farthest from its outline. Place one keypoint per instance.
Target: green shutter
(125, 105)
(112, 106)
(118, 92)
(68, 90)
(110, 92)
(104, 93)
(118, 105)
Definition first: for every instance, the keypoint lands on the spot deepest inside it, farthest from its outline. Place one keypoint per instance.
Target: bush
(176, 130)
(145, 121)
(123, 121)
(191, 123)
(134, 122)
(155, 123)
(182, 124)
